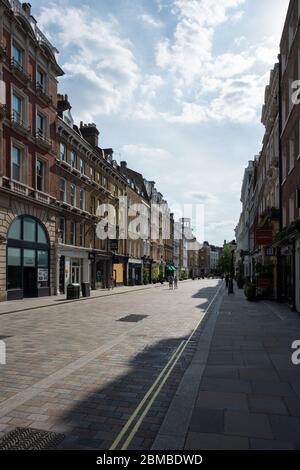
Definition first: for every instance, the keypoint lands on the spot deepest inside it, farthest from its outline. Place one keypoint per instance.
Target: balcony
(18, 124)
(75, 171)
(85, 178)
(42, 140)
(19, 71)
(42, 93)
(63, 164)
(2, 111)
(16, 186)
(43, 197)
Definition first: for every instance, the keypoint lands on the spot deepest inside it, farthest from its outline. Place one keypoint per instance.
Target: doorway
(29, 282)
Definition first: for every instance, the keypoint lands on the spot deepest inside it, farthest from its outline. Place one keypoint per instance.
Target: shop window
(14, 269)
(29, 229)
(29, 258)
(42, 258)
(41, 235)
(15, 230)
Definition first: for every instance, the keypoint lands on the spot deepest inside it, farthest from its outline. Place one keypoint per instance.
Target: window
(16, 164)
(17, 55)
(82, 199)
(29, 258)
(104, 182)
(82, 235)
(40, 124)
(17, 108)
(29, 229)
(73, 233)
(73, 194)
(40, 175)
(62, 152)
(14, 268)
(91, 172)
(81, 166)
(73, 159)
(62, 229)
(62, 190)
(28, 249)
(40, 78)
(42, 258)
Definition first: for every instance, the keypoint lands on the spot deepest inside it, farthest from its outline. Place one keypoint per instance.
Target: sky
(175, 87)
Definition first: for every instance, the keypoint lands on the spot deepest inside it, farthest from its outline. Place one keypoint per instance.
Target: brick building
(290, 158)
(28, 89)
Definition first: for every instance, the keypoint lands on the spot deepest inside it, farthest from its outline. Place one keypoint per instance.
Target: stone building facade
(28, 88)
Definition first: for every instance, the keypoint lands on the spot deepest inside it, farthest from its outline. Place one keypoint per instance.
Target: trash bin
(73, 291)
(86, 289)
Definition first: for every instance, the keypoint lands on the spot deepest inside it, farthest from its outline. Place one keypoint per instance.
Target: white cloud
(142, 152)
(207, 86)
(150, 20)
(98, 58)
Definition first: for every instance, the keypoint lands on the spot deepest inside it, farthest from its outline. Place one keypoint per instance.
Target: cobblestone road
(77, 369)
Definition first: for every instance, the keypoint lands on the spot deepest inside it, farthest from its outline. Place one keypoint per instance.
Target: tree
(225, 260)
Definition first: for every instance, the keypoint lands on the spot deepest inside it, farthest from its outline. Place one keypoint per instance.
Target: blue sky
(175, 87)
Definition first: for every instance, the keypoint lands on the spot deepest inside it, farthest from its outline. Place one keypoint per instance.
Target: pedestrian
(226, 280)
(176, 282)
(171, 282)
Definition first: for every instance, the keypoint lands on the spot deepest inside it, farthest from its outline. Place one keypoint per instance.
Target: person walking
(171, 282)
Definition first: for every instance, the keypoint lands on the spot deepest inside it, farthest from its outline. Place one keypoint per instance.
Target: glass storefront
(27, 259)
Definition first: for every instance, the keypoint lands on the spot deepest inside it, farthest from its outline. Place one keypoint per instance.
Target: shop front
(73, 267)
(135, 271)
(28, 259)
(120, 270)
(101, 269)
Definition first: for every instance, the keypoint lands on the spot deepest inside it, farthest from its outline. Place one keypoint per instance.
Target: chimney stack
(27, 8)
(90, 133)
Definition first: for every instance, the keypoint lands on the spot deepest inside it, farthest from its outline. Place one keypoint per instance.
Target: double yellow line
(159, 383)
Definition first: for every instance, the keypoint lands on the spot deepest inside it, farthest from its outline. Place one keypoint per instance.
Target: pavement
(248, 390)
(190, 369)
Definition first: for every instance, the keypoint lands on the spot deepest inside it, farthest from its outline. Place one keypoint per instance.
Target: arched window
(27, 258)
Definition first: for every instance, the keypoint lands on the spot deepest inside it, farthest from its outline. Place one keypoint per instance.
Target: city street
(80, 370)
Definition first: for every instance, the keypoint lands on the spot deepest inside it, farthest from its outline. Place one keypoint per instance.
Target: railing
(41, 91)
(17, 67)
(42, 138)
(17, 120)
